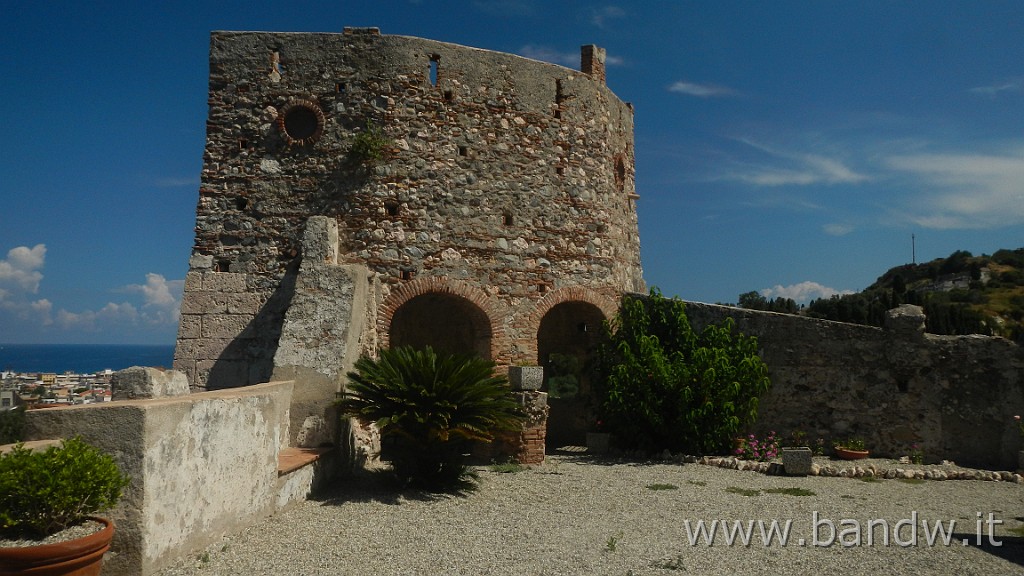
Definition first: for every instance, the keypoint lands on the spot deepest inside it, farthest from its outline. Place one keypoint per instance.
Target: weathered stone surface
(137, 383)
(526, 377)
(796, 461)
(954, 396)
(510, 183)
(201, 466)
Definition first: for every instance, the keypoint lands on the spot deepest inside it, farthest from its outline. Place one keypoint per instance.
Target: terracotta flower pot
(847, 454)
(80, 557)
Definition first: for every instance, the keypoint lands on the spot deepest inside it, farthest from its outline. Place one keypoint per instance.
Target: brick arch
(491, 308)
(530, 323)
(606, 305)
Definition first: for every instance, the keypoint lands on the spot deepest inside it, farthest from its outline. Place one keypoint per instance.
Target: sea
(82, 358)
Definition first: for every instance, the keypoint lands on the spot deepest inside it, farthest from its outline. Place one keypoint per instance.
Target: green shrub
(431, 406)
(369, 146)
(45, 492)
(664, 386)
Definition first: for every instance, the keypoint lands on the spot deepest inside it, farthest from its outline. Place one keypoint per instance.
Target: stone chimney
(592, 62)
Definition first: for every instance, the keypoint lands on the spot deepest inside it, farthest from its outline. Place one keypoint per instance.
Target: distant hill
(961, 294)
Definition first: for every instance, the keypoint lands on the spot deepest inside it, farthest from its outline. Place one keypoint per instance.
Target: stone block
(191, 326)
(796, 461)
(224, 282)
(140, 382)
(526, 377)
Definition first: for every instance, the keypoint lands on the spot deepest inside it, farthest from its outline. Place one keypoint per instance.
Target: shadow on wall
(249, 357)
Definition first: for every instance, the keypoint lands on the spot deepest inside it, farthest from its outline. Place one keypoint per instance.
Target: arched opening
(567, 342)
(445, 322)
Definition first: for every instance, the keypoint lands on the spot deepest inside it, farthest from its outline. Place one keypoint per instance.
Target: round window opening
(301, 122)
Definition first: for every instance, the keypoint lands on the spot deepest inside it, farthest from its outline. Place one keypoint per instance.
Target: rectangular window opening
(435, 65)
(507, 219)
(407, 274)
(463, 151)
(243, 143)
(340, 87)
(223, 266)
(448, 96)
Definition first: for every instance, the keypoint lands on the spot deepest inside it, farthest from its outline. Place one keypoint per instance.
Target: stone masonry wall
(954, 396)
(509, 180)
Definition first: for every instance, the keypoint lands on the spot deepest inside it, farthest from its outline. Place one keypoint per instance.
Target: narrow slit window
(463, 151)
(243, 144)
(435, 65)
(507, 219)
(340, 88)
(448, 96)
(392, 208)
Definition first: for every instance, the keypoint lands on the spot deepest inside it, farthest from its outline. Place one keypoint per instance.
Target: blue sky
(791, 148)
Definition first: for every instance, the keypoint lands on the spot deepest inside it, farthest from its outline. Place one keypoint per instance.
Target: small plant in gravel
(791, 491)
(916, 454)
(743, 491)
(911, 480)
(662, 487)
(507, 467)
(612, 543)
(696, 482)
(819, 447)
(761, 450)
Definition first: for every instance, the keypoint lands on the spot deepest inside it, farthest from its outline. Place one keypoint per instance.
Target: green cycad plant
(431, 405)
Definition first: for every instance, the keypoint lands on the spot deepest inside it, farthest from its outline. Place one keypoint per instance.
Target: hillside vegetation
(961, 294)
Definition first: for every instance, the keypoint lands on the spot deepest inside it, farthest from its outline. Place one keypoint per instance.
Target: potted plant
(851, 449)
(47, 502)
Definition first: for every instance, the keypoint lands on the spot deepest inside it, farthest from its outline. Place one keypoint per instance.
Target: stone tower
(500, 219)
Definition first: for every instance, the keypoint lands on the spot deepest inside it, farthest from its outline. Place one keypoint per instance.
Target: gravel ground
(576, 515)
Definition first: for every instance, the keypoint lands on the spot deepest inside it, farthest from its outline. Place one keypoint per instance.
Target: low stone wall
(201, 466)
(954, 396)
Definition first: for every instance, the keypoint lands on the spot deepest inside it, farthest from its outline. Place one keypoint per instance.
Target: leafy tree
(431, 405)
(753, 301)
(665, 386)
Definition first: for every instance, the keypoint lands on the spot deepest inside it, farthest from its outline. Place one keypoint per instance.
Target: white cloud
(161, 298)
(21, 268)
(701, 90)
(794, 168)
(1014, 85)
(837, 229)
(112, 314)
(803, 292)
(600, 16)
(964, 190)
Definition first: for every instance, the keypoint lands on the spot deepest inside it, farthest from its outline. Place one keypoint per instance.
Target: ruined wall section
(954, 396)
(511, 174)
